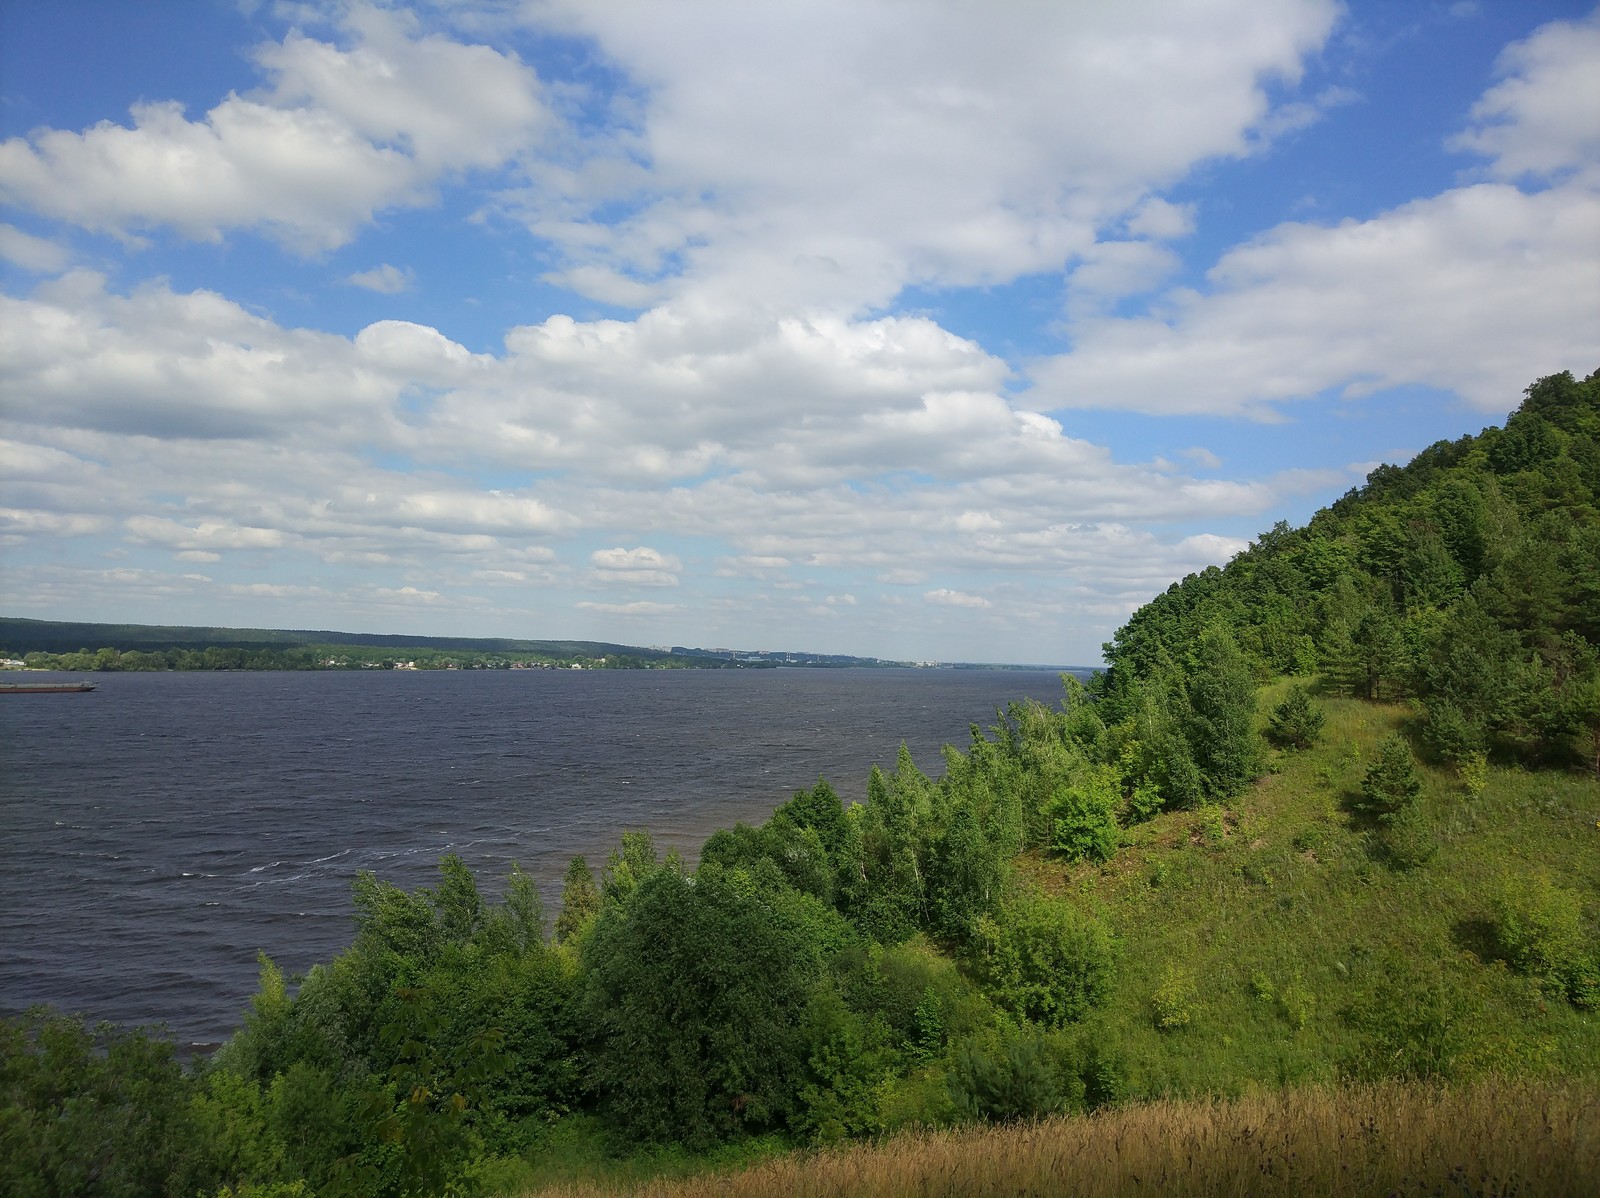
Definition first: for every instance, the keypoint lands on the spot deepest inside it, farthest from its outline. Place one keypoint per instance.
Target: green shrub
(1311, 838)
(1083, 815)
(1048, 962)
(919, 1100)
(580, 901)
(839, 1097)
(1408, 1027)
(1170, 1004)
(1453, 734)
(1296, 1003)
(1391, 784)
(1220, 728)
(917, 993)
(1474, 773)
(89, 1111)
(1408, 839)
(1541, 933)
(696, 991)
(1104, 1070)
(1023, 1076)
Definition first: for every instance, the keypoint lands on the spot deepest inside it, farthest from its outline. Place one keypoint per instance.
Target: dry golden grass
(1526, 1138)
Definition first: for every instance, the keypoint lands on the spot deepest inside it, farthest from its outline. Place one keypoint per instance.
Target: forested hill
(1468, 579)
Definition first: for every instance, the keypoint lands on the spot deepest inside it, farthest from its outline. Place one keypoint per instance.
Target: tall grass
(1494, 1137)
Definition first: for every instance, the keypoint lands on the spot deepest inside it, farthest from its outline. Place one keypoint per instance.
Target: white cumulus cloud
(1540, 120)
(1391, 300)
(948, 598)
(384, 279)
(31, 253)
(341, 133)
(642, 566)
(827, 155)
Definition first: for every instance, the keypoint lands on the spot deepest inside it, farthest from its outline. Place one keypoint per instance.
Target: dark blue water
(160, 831)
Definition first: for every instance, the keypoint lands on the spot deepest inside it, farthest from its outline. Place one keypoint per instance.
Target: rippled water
(161, 830)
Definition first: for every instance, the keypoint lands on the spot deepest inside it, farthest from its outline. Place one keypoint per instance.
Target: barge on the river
(44, 688)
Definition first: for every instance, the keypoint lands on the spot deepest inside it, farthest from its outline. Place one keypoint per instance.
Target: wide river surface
(161, 830)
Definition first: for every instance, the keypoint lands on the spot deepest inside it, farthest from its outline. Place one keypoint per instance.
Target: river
(161, 830)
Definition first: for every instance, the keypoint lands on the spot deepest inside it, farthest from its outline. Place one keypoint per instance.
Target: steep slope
(1468, 579)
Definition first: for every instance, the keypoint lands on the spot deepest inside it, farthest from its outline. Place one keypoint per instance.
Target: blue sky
(933, 331)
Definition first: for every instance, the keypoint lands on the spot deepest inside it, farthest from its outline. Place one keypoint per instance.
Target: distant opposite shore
(29, 644)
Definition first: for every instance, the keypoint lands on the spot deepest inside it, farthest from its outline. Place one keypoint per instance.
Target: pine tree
(1221, 724)
(1297, 721)
(1391, 785)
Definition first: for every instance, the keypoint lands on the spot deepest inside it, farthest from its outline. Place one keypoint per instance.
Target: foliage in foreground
(688, 1015)
(88, 1111)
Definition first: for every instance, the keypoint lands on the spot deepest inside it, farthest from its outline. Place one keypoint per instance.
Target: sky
(939, 331)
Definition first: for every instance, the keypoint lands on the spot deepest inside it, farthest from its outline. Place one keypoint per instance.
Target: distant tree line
(334, 657)
(58, 644)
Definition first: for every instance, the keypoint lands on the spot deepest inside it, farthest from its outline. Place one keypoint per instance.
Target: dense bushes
(1047, 963)
(1541, 931)
(1016, 1074)
(694, 996)
(1083, 815)
(444, 1032)
(90, 1112)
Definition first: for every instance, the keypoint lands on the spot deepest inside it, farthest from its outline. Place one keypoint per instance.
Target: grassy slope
(1292, 913)
(1281, 914)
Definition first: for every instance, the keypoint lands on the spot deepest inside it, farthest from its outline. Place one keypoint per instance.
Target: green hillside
(1468, 580)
